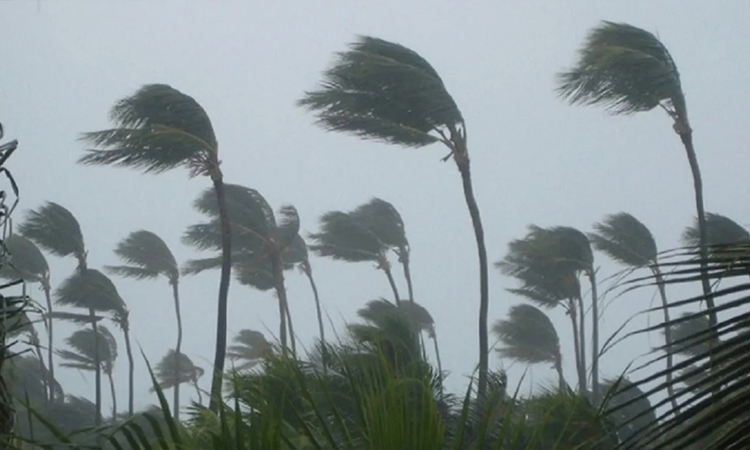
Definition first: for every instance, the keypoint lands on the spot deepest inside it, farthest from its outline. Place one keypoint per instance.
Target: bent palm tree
(530, 337)
(383, 91)
(158, 129)
(628, 70)
(189, 373)
(260, 242)
(626, 240)
(249, 348)
(723, 235)
(385, 222)
(90, 356)
(28, 263)
(147, 256)
(344, 237)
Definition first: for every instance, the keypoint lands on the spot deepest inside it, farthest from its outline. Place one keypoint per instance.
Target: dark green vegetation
(374, 386)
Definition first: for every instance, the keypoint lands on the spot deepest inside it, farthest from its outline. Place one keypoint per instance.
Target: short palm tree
(723, 234)
(189, 373)
(249, 348)
(147, 256)
(344, 237)
(383, 91)
(530, 337)
(28, 263)
(627, 70)
(260, 241)
(157, 129)
(87, 354)
(297, 251)
(628, 241)
(386, 223)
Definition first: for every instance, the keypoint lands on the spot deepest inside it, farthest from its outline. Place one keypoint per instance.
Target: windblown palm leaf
(83, 355)
(721, 232)
(164, 371)
(89, 289)
(342, 237)
(625, 239)
(157, 129)
(54, 229)
(25, 260)
(632, 411)
(249, 349)
(528, 336)
(146, 256)
(384, 221)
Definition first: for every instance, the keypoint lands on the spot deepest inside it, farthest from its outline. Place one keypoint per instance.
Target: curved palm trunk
(131, 369)
(278, 279)
(114, 397)
(559, 370)
(667, 337)
(386, 268)
(437, 358)
(462, 161)
(50, 343)
(97, 369)
(198, 391)
(178, 349)
(576, 345)
(46, 381)
(226, 270)
(291, 328)
(582, 342)
(404, 258)
(594, 335)
(307, 268)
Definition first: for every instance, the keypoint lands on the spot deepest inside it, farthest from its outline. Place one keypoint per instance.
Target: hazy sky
(535, 159)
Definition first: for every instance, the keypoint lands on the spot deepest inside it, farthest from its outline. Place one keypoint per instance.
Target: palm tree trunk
(462, 161)
(50, 343)
(594, 335)
(404, 258)
(278, 278)
(582, 341)
(226, 270)
(559, 370)
(178, 349)
(97, 370)
(131, 369)
(387, 269)
(307, 268)
(292, 336)
(114, 397)
(437, 358)
(577, 345)
(45, 373)
(198, 391)
(667, 337)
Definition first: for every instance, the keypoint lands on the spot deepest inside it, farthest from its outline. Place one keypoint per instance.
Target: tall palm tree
(87, 355)
(147, 256)
(28, 263)
(628, 241)
(385, 222)
(158, 129)
(249, 348)
(91, 290)
(530, 337)
(627, 70)
(189, 373)
(383, 91)
(343, 237)
(260, 240)
(723, 235)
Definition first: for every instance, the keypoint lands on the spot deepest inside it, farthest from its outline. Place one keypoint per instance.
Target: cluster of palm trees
(381, 91)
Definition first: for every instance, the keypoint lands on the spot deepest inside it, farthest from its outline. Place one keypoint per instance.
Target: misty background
(535, 159)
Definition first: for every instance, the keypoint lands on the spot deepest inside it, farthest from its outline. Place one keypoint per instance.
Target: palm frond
(288, 225)
(165, 370)
(342, 237)
(721, 233)
(625, 239)
(146, 256)
(624, 68)
(528, 336)
(383, 91)
(249, 348)
(156, 129)
(83, 353)
(89, 289)
(25, 260)
(384, 221)
(54, 229)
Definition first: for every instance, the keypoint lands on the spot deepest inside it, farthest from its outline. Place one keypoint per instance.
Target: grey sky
(535, 159)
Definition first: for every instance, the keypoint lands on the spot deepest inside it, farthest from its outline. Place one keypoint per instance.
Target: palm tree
(627, 70)
(87, 354)
(189, 373)
(530, 337)
(343, 237)
(723, 234)
(28, 263)
(628, 241)
(250, 347)
(297, 251)
(260, 240)
(383, 91)
(121, 318)
(158, 129)
(385, 222)
(147, 256)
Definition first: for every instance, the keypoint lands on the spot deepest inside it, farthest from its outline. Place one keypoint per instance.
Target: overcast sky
(535, 159)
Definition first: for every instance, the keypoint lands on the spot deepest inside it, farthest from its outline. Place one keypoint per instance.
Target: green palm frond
(80, 319)
(689, 334)
(89, 289)
(383, 91)
(156, 129)
(721, 233)
(631, 411)
(528, 336)
(54, 229)
(259, 277)
(384, 221)
(165, 370)
(203, 236)
(296, 252)
(342, 237)
(146, 256)
(625, 239)
(249, 213)
(25, 260)
(288, 226)
(250, 348)
(83, 353)
(624, 68)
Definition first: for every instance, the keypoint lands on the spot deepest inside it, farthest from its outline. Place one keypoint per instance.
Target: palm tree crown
(26, 260)
(146, 256)
(56, 230)
(625, 239)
